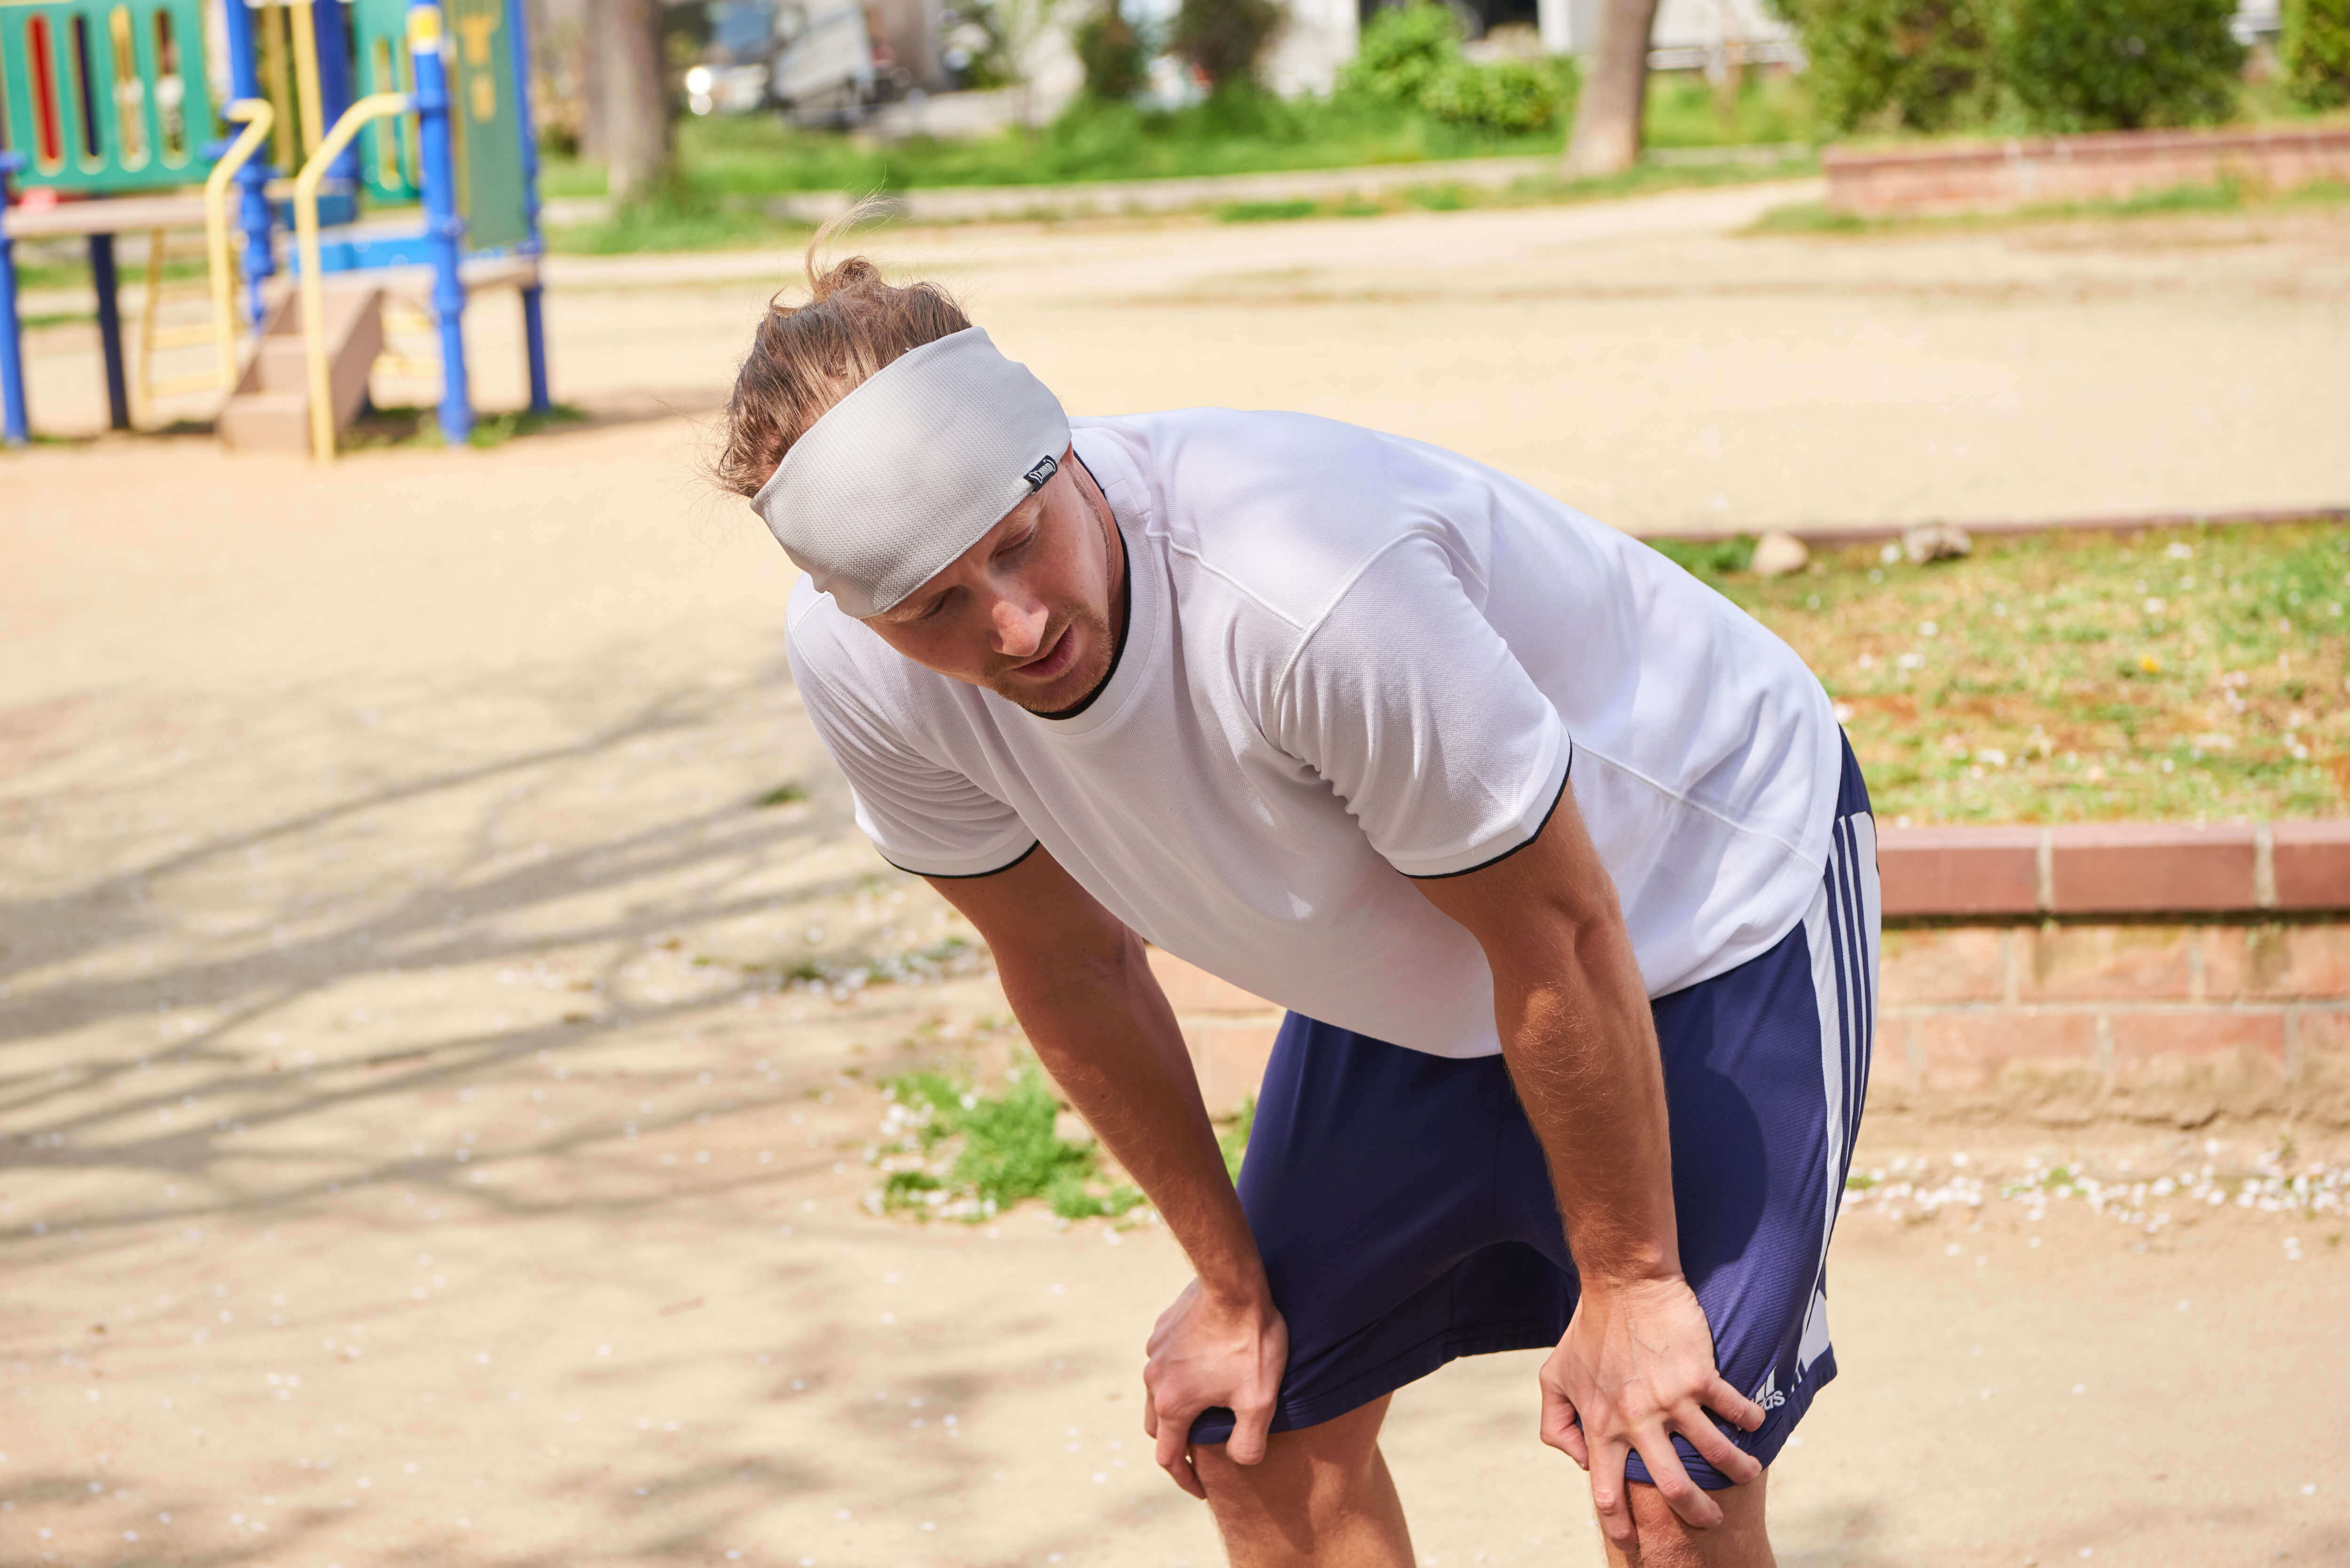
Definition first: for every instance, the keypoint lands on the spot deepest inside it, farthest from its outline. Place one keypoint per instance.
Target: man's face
(1027, 612)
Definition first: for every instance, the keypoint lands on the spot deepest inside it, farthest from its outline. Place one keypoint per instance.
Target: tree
(624, 42)
(1607, 113)
(1225, 40)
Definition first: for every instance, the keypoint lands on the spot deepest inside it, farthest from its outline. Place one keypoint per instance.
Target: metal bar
(377, 106)
(110, 328)
(302, 30)
(255, 115)
(252, 175)
(335, 80)
(443, 229)
(533, 312)
(152, 303)
(15, 425)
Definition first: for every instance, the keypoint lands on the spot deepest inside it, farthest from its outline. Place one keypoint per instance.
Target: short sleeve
(1407, 701)
(923, 817)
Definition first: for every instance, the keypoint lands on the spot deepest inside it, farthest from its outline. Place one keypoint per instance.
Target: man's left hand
(1635, 1367)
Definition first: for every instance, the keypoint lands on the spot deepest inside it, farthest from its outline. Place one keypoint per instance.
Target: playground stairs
(270, 408)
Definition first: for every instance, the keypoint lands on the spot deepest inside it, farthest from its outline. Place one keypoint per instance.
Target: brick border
(1986, 176)
(2114, 868)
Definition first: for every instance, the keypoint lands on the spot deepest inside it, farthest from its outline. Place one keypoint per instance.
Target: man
(1560, 860)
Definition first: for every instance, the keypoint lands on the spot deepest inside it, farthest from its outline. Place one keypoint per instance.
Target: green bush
(1225, 39)
(1514, 97)
(1403, 49)
(2120, 65)
(1409, 60)
(1114, 53)
(1924, 65)
(2315, 51)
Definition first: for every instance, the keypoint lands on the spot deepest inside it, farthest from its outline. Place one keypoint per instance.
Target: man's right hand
(1204, 1352)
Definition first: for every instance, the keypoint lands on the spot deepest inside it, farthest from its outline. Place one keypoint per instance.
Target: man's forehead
(915, 603)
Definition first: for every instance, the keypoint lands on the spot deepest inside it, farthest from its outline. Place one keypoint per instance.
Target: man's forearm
(1582, 1048)
(1103, 1028)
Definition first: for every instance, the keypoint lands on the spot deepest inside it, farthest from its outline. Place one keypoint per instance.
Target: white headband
(912, 469)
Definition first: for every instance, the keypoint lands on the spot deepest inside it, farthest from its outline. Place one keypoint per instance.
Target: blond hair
(807, 358)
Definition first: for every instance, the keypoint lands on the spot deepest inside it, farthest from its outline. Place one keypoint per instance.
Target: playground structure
(111, 115)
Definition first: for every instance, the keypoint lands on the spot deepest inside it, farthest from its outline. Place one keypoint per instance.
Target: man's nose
(1019, 628)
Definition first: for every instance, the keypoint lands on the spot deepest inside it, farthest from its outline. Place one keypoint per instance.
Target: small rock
(1777, 553)
(1935, 542)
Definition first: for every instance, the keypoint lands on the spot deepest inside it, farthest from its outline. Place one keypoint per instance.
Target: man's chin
(1061, 692)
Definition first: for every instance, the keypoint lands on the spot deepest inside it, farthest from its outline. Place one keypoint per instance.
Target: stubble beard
(1085, 678)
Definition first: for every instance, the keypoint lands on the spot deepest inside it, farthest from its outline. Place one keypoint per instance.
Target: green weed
(950, 1152)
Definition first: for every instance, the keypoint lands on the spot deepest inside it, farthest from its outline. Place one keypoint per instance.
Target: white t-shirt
(1352, 659)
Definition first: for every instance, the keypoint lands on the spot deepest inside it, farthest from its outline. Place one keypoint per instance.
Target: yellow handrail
(256, 116)
(375, 106)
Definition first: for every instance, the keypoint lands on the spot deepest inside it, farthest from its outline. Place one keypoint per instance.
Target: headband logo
(1044, 471)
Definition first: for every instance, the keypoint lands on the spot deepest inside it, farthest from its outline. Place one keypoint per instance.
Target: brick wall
(1980, 177)
(2173, 1021)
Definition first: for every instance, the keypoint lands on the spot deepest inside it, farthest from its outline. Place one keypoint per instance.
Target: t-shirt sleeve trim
(1034, 845)
(1557, 793)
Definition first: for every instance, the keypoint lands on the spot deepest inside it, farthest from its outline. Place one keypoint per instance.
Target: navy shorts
(1406, 1217)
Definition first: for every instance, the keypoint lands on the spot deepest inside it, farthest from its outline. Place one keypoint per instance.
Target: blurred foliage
(2315, 52)
(1409, 62)
(2041, 65)
(1115, 52)
(2120, 65)
(1921, 65)
(1225, 40)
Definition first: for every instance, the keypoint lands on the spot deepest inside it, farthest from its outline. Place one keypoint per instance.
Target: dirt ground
(407, 1154)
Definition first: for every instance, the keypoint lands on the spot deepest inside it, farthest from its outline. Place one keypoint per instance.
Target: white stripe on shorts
(1841, 928)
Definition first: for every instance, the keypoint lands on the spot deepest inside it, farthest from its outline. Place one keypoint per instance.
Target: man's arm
(1637, 1363)
(1083, 990)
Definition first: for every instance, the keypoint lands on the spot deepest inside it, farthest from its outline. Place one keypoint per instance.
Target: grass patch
(409, 425)
(2223, 197)
(950, 1152)
(1233, 1138)
(788, 794)
(1265, 211)
(753, 157)
(2186, 673)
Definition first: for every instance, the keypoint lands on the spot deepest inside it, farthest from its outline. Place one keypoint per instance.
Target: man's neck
(1121, 598)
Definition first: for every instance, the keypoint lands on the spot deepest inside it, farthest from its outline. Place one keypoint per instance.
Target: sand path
(409, 1159)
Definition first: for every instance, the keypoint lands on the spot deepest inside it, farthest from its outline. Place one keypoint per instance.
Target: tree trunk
(640, 149)
(1607, 112)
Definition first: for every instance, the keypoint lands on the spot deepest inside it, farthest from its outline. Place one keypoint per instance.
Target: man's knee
(1740, 1540)
(1309, 1482)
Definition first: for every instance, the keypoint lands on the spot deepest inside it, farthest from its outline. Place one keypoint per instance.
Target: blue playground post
(444, 231)
(335, 80)
(253, 179)
(15, 425)
(110, 328)
(533, 315)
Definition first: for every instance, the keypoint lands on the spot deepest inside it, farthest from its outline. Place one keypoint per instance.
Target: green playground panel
(104, 97)
(388, 154)
(487, 131)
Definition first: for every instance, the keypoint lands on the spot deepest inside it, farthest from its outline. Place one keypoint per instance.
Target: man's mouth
(1055, 660)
